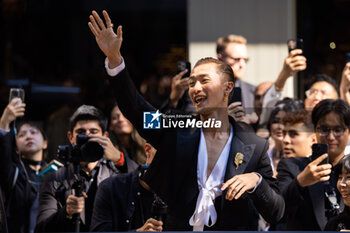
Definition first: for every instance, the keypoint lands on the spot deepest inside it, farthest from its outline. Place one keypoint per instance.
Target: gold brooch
(239, 159)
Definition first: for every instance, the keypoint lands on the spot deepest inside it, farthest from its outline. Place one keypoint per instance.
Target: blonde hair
(222, 42)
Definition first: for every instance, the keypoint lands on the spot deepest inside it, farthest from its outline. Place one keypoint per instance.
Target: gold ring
(111, 25)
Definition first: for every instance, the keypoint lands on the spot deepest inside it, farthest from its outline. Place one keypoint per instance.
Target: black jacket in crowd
(305, 207)
(340, 222)
(121, 204)
(56, 188)
(20, 185)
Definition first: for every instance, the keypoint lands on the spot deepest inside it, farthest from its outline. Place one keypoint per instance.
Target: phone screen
(182, 65)
(236, 96)
(295, 44)
(319, 149)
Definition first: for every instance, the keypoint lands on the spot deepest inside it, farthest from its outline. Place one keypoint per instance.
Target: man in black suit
(240, 175)
(309, 187)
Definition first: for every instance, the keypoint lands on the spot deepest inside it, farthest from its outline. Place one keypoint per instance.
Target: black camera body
(83, 151)
(159, 210)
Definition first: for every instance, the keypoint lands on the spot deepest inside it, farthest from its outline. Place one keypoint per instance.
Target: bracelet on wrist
(121, 160)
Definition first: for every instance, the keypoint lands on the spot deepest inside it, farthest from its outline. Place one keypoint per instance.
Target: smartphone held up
(295, 44)
(183, 65)
(319, 149)
(16, 93)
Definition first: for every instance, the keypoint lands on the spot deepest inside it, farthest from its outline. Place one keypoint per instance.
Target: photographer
(124, 203)
(58, 202)
(20, 162)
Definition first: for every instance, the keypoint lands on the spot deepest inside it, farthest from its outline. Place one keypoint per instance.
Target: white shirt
(209, 188)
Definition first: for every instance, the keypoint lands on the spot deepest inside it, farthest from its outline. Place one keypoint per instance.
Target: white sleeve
(3, 132)
(113, 72)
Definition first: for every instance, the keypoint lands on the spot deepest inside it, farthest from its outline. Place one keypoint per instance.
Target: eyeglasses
(312, 92)
(236, 59)
(291, 133)
(324, 131)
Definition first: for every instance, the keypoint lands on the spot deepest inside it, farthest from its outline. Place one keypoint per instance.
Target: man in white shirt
(209, 177)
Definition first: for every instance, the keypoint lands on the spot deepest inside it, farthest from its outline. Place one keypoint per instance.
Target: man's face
(86, 127)
(318, 92)
(30, 140)
(207, 88)
(337, 137)
(236, 56)
(297, 140)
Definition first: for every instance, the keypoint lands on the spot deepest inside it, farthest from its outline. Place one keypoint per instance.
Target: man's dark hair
(338, 106)
(88, 113)
(222, 67)
(323, 78)
(286, 105)
(344, 164)
(298, 116)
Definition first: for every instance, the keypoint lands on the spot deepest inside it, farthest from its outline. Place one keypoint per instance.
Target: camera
(159, 209)
(83, 151)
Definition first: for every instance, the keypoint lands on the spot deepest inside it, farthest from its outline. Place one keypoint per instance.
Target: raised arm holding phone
(20, 161)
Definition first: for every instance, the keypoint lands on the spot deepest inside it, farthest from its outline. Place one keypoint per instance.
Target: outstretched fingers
(99, 20)
(120, 32)
(92, 29)
(93, 23)
(107, 19)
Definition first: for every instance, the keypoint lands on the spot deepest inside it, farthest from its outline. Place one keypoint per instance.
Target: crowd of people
(257, 171)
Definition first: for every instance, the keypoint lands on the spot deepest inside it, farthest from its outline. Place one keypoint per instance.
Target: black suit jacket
(305, 207)
(173, 176)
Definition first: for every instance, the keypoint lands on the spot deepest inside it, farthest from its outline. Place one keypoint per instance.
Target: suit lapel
(237, 148)
(316, 192)
(186, 161)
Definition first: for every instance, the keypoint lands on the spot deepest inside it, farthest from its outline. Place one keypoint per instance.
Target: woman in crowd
(342, 221)
(19, 167)
(124, 135)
